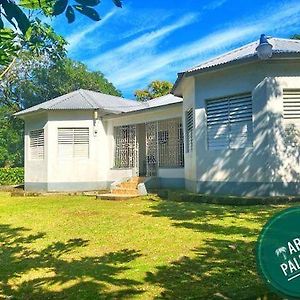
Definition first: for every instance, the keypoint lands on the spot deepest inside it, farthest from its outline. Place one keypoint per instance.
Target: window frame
(230, 98)
(189, 132)
(73, 144)
(36, 144)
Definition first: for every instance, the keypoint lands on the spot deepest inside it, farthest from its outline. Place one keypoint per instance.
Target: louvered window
(73, 142)
(189, 124)
(291, 105)
(229, 122)
(37, 144)
(291, 115)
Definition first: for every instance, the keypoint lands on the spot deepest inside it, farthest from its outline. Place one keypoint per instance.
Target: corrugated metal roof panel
(249, 50)
(89, 100)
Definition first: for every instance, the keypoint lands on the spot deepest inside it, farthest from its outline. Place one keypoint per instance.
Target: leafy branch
(19, 30)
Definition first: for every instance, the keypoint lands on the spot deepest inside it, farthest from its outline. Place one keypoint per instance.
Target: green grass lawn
(65, 247)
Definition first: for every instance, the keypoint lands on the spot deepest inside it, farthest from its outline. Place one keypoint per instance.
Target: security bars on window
(126, 147)
(170, 143)
(37, 141)
(164, 146)
(73, 142)
(189, 123)
(152, 148)
(229, 122)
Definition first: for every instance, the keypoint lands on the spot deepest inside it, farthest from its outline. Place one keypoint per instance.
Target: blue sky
(147, 40)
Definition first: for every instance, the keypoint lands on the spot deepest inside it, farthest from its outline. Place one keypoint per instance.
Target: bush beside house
(11, 176)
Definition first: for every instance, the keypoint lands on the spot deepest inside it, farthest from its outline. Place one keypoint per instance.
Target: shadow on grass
(224, 266)
(216, 271)
(27, 273)
(197, 216)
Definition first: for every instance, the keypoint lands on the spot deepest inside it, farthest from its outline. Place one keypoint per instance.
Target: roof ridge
(121, 98)
(222, 55)
(284, 39)
(85, 96)
(63, 99)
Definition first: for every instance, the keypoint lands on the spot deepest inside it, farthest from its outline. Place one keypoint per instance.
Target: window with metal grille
(73, 142)
(229, 122)
(189, 124)
(37, 144)
(170, 143)
(126, 147)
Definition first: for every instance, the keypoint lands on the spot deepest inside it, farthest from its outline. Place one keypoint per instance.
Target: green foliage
(65, 76)
(11, 138)
(295, 37)
(8, 47)
(31, 33)
(11, 176)
(32, 81)
(156, 249)
(41, 40)
(155, 89)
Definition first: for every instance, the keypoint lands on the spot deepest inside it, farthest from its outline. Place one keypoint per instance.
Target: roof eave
(143, 110)
(22, 114)
(176, 88)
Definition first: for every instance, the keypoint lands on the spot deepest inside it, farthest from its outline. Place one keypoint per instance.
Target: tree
(31, 82)
(11, 138)
(21, 29)
(295, 37)
(65, 76)
(155, 89)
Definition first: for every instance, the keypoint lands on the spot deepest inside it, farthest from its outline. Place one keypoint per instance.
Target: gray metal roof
(249, 50)
(89, 100)
(280, 46)
(157, 102)
(83, 100)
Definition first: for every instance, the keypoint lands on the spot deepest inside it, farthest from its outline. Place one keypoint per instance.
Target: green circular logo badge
(278, 253)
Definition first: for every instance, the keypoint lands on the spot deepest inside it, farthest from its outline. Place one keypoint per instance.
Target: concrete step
(121, 191)
(127, 185)
(136, 180)
(115, 197)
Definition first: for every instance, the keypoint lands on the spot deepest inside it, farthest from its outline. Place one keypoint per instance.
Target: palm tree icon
(281, 251)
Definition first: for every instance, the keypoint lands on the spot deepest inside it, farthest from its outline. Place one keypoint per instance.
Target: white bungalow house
(230, 127)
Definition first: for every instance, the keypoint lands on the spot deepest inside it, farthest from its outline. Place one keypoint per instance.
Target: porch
(148, 147)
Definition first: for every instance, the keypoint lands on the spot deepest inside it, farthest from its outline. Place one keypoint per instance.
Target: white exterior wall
(142, 117)
(80, 174)
(269, 167)
(77, 173)
(189, 157)
(35, 170)
(261, 169)
(67, 174)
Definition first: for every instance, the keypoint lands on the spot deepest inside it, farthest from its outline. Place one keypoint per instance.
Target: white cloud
(137, 47)
(215, 4)
(77, 37)
(140, 60)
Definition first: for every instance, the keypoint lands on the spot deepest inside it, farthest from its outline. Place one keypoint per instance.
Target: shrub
(11, 176)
